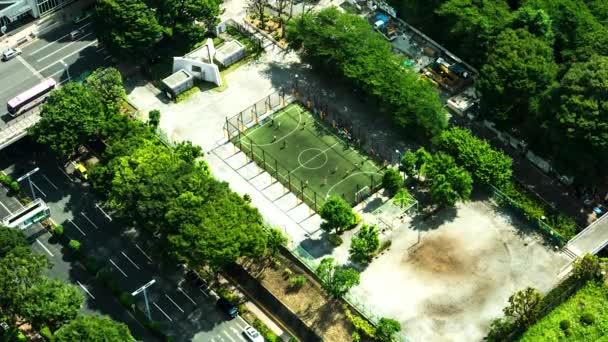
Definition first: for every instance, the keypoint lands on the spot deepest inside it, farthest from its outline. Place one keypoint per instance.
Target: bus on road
(31, 97)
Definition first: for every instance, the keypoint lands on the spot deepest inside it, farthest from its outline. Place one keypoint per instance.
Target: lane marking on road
(131, 261)
(142, 252)
(70, 55)
(104, 213)
(74, 224)
(174, 303)
(58, 39)
(44, 247)
(37, 188)
(118, 268)
(88, 219)
(5, 208)
(30, 67)
(107, 57)
(161, 310)
(65, 174)
(48, 180)
(185, 294)
(65, 47)
(229, 337)
(85, 289)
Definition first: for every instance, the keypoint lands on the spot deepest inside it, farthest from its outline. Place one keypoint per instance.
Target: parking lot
(186, 310)
(54, 55)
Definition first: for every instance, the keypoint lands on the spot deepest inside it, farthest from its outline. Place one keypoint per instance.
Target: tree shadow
(318, 247)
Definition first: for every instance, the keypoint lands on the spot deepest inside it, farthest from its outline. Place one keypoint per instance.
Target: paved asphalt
(185, 312)
(54, 55)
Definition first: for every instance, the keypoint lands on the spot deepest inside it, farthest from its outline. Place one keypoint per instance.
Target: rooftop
(177, 78)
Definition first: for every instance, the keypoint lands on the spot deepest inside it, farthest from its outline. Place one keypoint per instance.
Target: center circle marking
(312, 158)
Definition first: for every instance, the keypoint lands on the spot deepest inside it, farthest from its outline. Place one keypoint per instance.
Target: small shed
(230, 53)
(178, 82)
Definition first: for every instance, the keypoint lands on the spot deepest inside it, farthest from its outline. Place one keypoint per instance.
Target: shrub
(14, 187)
(91, 264)
(568, 332)
(277, 263)
(47, 334)
(361, 324)
(74, 245)
(335, 239)
(242, 308)
(21, 337)
(385, 245)
(297, 281)
(269, 336)
(58, 230)
(288, 272)
(588, 318)
(126, 299)
(564, 324)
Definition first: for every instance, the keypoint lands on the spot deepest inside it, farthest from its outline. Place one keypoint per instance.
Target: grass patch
(188, 93)
(586, 313)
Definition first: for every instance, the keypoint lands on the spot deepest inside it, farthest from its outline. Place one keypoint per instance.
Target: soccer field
(307, 157)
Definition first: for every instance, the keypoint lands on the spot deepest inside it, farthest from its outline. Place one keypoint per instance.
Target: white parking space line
(161, 310)
(58, 39)
(203, 292)
(104, 213)
(118, 268)
(44, 247)
(238, 334)
(5, 208)
(174, 303)
(131, 261)
(48, 180)
(30, 67)
(185, 294)
(70, 55)
(229, 337)
(142, 252)
(37, 188)
(88, 219)
(74, 224)
(85, 289)
(62, 48)
(65, 174)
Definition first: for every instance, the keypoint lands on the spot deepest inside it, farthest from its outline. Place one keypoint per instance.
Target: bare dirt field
(450, 285)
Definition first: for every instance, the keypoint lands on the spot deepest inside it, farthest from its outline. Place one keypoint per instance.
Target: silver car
(252, 334)
(10, 53)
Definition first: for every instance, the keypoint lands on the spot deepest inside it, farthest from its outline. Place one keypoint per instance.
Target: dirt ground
(450, 285)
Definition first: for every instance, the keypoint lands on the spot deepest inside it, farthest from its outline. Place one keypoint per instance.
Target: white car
(252, 334)
(10, 53)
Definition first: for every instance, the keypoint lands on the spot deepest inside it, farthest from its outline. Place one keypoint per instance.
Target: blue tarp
(382, 17)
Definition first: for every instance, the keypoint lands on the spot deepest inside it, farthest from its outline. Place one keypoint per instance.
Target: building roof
(177, 78)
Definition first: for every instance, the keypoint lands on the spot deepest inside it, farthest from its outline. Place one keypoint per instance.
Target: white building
(11, 10)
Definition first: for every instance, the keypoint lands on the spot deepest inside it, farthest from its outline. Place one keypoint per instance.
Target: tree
(128, 28)
(20, 269)
(408, 163)
(536, 21)
(107, 84)
(392, 181)
(51, 302)
(72, 116)
(10, 238)
(93, 328)
(523, 306)
(337, 214)
(259, 8)
(337, 280)
(519, 71)
(276, 239)
(587, 268)
(386, 329)
(485, 164)
(449, 182)
(154, 118)
(365, 243)
(422, 158)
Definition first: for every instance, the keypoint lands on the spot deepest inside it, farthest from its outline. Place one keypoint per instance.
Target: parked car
(10, 53)
(227, 307)
(252, 335)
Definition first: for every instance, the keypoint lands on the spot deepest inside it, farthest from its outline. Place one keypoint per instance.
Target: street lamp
(27, 175)
(143, 289)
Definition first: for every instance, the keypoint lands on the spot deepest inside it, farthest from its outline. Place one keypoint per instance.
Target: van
(10, 54)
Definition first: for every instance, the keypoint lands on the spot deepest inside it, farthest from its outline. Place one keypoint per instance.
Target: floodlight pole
(27, 175)
(143, 289)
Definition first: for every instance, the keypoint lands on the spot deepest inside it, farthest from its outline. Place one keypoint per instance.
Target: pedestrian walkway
(592, 239)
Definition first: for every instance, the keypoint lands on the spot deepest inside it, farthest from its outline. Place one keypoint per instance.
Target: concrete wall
(209, 72)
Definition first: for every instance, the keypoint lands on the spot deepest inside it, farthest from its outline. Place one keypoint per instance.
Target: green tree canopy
(365, 243)
(449, 182)
(337, 214)
(520, 68)
(107, 84)
(392, 181)
(71, 116)
(51, 302)
(93, 328)
(11, 238)
(523, 306)
(276, 239)
(387, 329)
(337, 280)
(408, 163)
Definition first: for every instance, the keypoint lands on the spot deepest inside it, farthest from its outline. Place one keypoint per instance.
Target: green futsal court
(308, 158)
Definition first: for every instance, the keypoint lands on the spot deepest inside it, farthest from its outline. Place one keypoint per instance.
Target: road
(184, 311)
(53, 55)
